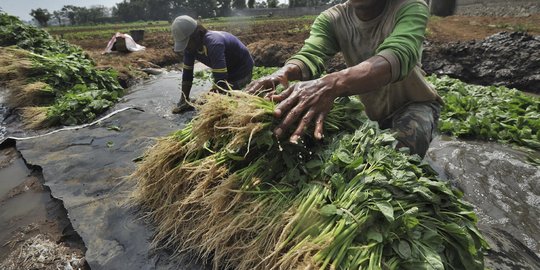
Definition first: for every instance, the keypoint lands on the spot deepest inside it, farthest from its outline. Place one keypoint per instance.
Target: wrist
(291, 72)
(336, 82)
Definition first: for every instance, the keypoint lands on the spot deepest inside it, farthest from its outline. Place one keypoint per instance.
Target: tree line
(145, 10)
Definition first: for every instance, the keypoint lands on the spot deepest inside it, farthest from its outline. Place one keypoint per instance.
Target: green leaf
(387, 210)
(328, 210)
(375, 235)
(433, 259)
(314, 163)
(344, 156)
(113, 127)
(404, 250)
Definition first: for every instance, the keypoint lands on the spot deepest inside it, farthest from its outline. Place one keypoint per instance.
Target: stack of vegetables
(49, 80)
(488, 113)
(225, 189)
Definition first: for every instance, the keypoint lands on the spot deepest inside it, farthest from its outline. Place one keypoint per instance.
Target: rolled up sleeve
(318, 48)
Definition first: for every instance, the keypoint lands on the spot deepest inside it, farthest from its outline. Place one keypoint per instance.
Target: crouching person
(381, 41)
(224, 53)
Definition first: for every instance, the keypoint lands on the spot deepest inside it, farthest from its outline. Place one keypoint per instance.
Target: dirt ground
(269, 36)
(35, 233)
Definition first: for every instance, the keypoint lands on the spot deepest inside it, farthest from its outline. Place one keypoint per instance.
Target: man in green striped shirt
(381, 41)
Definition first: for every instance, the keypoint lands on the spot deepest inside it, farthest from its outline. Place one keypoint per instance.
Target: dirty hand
(268, 83)
(304, 103)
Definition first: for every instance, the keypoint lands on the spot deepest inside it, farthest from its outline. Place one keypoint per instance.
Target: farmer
(228, 58)
(381, 41)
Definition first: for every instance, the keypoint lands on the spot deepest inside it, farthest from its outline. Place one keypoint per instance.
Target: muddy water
(3, 114)
(27, 208)
(159, 95)
(503, 187)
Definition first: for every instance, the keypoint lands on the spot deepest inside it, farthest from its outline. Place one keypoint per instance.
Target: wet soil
(37, 214)
(511, 59)
(30, 218)
(291, 34)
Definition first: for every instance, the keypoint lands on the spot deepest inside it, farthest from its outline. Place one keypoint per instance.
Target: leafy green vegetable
(350, 201)
(488, 113)
(80, 91)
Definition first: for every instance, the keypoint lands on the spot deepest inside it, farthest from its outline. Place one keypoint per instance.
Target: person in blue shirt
(229, 59)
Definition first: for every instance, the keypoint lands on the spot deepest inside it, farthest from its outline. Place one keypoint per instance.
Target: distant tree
(224, 7)
(298, 3)
(130, 11)
(272, 3)
(261, 4)
(158, 9)
(59, 16)
(239, 4)
(83, 15)
(202, 8)
(178, 7)
(41, 15)
(69, 12)
(251, 3)
(95, 14)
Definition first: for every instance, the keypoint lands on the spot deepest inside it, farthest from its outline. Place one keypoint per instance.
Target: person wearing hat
(225, 54)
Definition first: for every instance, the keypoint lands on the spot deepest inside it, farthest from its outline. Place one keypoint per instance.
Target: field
(289, 31)
(271, 41)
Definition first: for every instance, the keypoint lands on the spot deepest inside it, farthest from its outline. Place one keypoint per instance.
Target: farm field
(108, 133)
(290, 32)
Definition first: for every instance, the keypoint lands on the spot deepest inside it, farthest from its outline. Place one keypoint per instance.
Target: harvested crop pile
(225, 189)
(51, 81)
(488, 113)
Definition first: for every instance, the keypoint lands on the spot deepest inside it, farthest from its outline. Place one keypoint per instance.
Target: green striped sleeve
(318, 48)
(403, 48)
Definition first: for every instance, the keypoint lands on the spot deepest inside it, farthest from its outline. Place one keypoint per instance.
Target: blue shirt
(225, 54)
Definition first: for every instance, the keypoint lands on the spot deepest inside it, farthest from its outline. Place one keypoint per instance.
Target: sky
(21, 8)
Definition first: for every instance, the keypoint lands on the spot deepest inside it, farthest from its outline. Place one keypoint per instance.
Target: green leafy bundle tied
(227, 190)
(13, 32)
(51, 81)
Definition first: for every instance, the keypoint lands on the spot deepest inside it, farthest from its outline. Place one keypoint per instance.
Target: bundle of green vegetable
(51, 81)
(488, 112)
(224, 188)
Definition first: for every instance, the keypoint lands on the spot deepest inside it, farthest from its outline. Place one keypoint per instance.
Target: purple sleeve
(216, 53)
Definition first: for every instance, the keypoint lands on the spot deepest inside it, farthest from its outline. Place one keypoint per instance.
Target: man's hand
(305, 102)
(268, 84)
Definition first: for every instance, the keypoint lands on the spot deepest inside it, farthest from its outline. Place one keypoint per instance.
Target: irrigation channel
(70, 187)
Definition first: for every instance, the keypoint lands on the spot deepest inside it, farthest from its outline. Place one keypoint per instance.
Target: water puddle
(3, 114)
(27, 211)
(160, 95)
(13, 174)
(497, 179)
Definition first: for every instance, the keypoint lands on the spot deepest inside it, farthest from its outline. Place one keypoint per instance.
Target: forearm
(365, 77)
